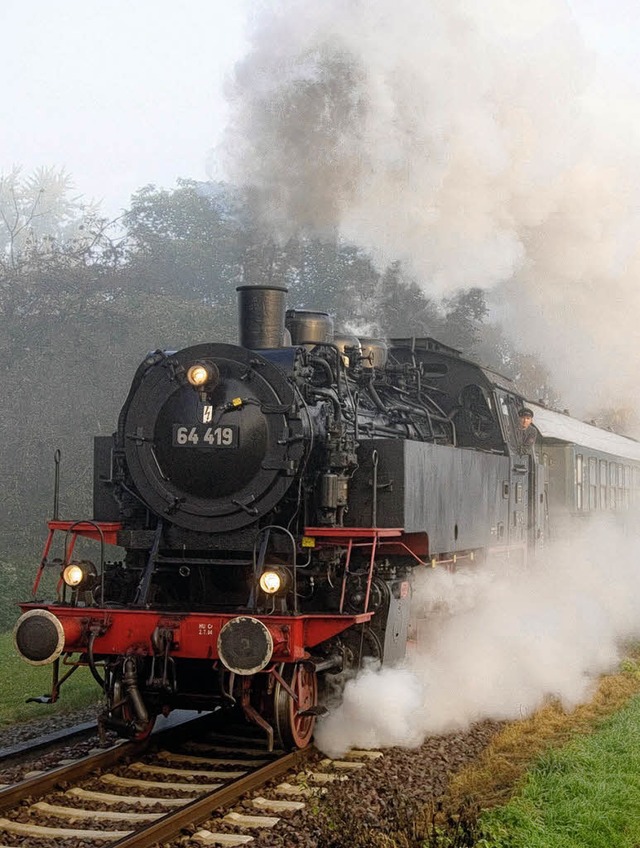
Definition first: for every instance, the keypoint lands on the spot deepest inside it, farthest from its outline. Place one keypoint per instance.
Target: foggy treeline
(82, 300)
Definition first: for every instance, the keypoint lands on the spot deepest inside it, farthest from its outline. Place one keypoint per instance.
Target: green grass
(18, 681)
(585, 795)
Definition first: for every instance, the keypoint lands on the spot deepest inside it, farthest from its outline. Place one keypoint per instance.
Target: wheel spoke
(295, 728)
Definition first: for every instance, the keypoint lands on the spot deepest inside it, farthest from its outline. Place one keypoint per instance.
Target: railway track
(68, 736)
(143, 793)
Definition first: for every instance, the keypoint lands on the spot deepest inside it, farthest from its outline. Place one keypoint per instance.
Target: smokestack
(261, 313)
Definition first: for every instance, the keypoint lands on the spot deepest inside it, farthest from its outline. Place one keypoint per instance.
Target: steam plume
(497, 643)
(470, 140)
(476, 143)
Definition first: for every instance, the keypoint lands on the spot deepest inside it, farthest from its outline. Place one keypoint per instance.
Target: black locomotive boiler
(273, 500)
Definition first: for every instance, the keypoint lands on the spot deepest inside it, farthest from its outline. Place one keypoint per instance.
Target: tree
(201, 240)
(58, 265)
(74, 324)
(464, 314)
(56, 254)
(531, 377)
(198, 242)
(622, 420)
(402, 307)
(38, 210)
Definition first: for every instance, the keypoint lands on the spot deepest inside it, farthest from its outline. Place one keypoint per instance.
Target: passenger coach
(588, 470)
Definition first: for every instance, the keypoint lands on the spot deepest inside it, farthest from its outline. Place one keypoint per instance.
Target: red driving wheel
(293, 717)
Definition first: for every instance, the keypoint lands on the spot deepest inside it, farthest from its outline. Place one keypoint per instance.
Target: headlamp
(198, 375)
(76, 574)
(203, 374)
(271, 582)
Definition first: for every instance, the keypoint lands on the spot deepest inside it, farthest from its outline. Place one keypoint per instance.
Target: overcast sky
(128, 92)
(120, 92)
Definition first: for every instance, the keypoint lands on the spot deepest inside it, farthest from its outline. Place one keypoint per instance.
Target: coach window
(604, 471)
(627, 487)
(579, 504)
(593, 483)
(620, 492)
(613, 480)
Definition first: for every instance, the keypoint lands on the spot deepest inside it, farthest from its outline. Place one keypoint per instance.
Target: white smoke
(474, 142)
(470, 140)
(497, 642)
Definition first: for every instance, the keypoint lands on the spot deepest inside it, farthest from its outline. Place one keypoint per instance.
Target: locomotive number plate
(204, 436)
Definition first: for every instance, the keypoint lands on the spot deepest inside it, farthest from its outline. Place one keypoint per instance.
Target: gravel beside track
(15, 733)
(375, 800)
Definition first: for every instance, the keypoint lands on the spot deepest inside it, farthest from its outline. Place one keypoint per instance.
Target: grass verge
(18, 681)
(586, 795)
(500, 801)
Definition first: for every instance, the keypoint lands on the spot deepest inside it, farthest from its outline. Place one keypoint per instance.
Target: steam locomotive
(274, 499)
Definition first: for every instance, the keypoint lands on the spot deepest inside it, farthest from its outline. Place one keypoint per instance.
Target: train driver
(528, 433)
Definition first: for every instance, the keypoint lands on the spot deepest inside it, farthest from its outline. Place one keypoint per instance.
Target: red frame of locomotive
(195, 634)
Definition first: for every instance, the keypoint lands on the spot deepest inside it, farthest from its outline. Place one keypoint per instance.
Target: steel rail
(41, 783)
(199, 810)
(48, 740)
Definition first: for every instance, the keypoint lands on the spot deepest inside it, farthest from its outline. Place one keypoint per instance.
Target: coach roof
(564, 428)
